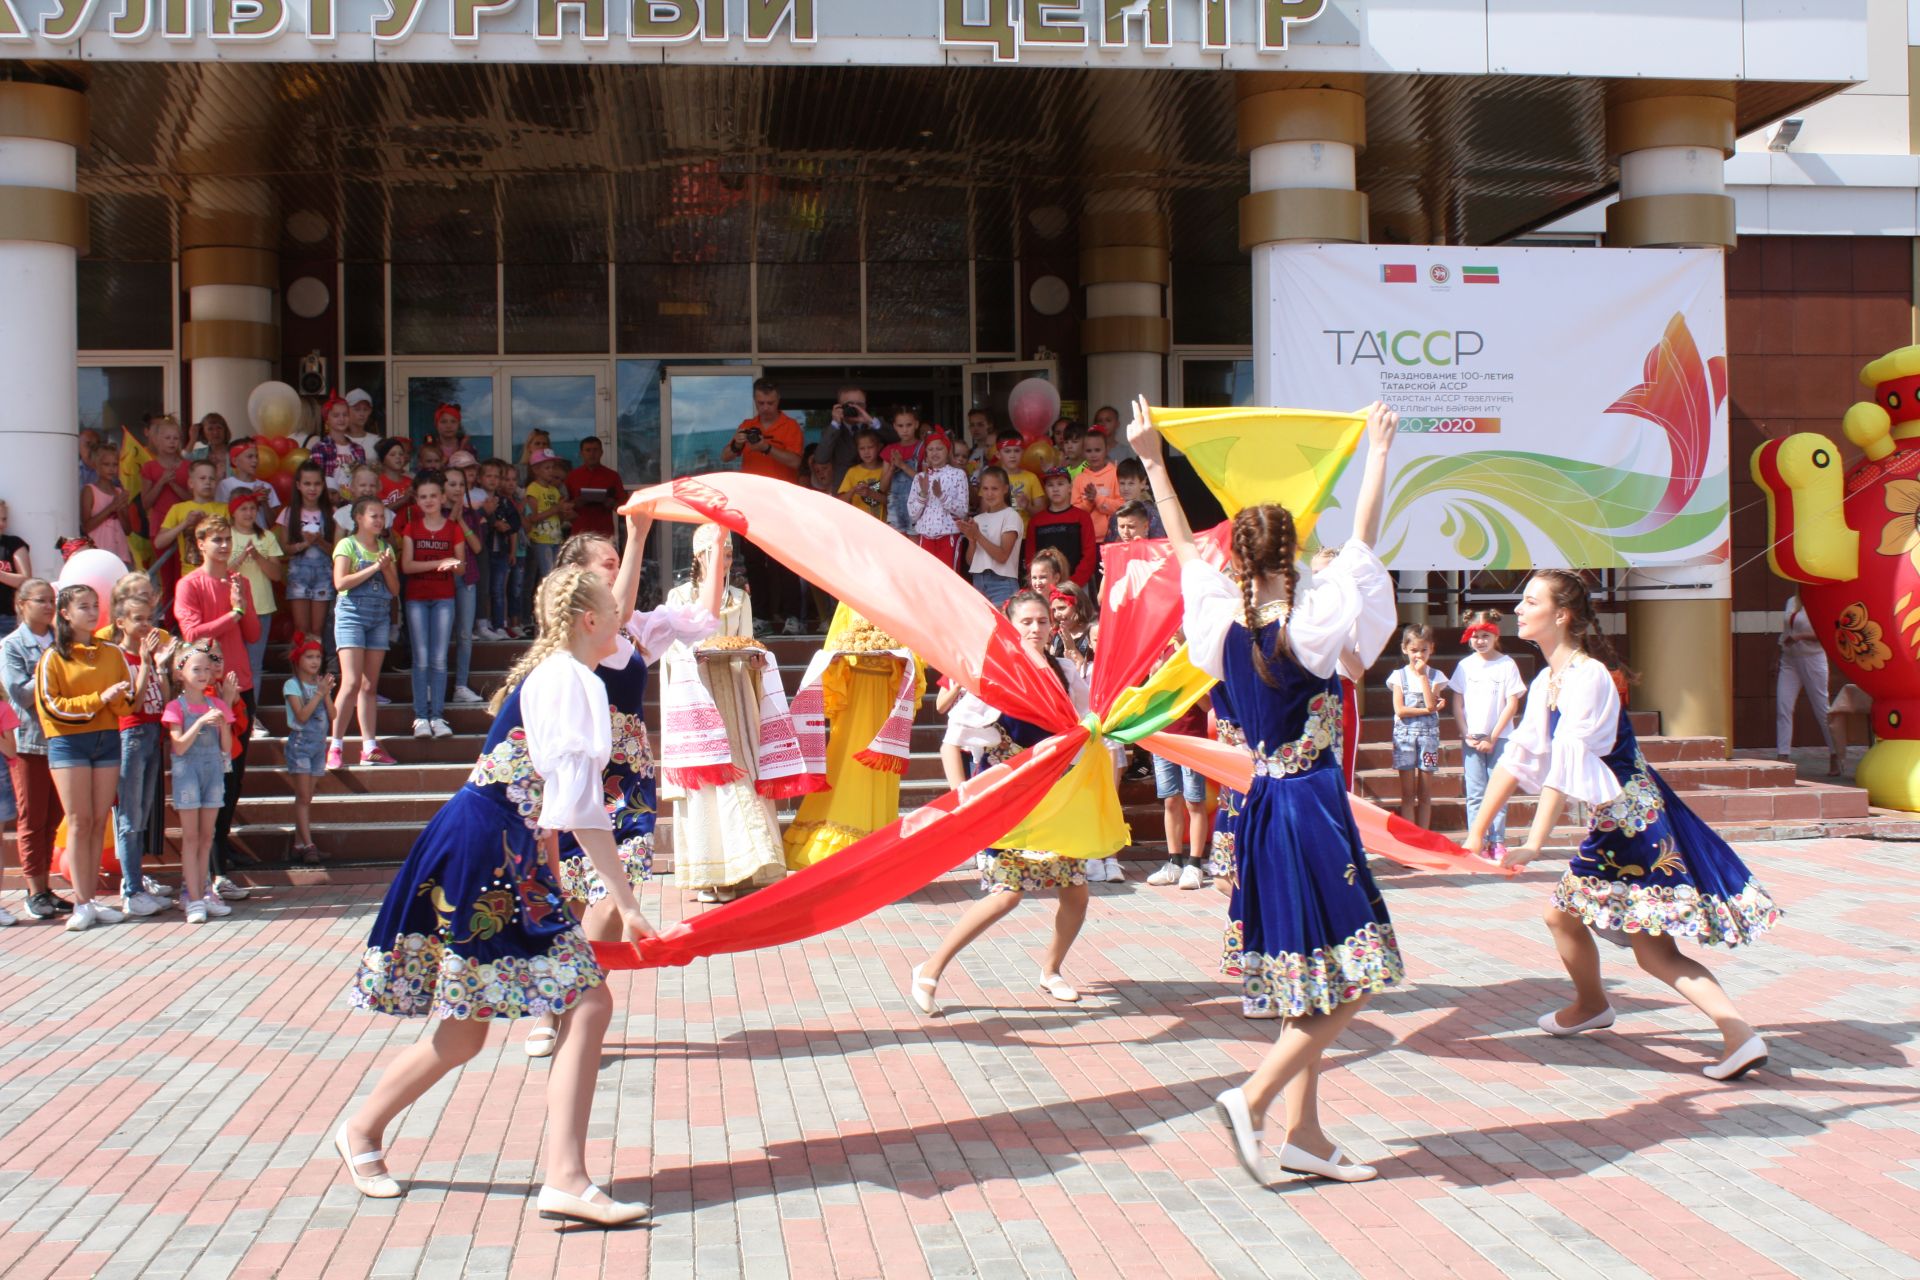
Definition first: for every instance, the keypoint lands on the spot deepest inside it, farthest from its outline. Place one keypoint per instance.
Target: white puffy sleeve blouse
(563, 708)
(657, 630)
(1570, 757)
(1349, 608)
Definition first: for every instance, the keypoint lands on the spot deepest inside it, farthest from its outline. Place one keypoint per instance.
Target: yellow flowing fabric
(1080, 817)
(1248, 456)
(859, 688)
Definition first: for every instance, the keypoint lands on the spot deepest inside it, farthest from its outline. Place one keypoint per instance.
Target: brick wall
(1804, 313)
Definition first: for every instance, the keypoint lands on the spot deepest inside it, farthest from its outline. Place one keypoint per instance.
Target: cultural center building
(607, 217)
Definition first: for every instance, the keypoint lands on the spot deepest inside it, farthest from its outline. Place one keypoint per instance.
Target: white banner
(1558, 407)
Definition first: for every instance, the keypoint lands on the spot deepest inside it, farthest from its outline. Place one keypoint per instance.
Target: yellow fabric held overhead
(1248, 456)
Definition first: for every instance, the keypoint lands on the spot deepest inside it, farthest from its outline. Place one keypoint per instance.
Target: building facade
(606, 220)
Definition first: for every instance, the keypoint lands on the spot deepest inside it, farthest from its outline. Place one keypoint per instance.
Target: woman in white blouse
(1649, 871)
(1307, 933)
(474, 927)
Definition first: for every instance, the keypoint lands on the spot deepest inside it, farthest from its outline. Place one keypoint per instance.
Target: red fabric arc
(867, 875)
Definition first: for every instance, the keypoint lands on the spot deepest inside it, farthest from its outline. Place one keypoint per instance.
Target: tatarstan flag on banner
(1249, 456)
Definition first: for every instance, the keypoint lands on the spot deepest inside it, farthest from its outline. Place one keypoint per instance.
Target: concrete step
(1659, 751)
(396, 727)
(1383, 786)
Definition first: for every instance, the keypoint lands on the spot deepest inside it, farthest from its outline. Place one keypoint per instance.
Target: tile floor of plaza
(169, 1093)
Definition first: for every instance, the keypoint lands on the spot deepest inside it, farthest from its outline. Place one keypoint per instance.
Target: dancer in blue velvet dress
(1650, 872)
(629, 783)
(1309, 934)
(474, 927)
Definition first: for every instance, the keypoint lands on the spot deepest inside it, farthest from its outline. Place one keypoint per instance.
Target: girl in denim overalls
(368, 580)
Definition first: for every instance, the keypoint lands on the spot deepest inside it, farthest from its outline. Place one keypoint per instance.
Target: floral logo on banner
(1593, 515)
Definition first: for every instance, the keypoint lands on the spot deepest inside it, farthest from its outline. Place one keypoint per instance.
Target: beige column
(1302, 136)
(1123, 266)
(1672, 141)
(43, 230)
(231, 273)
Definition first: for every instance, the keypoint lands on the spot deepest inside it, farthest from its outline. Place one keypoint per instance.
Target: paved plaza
(169, 1094)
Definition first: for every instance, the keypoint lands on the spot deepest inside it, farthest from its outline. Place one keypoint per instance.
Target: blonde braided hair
(562, 595)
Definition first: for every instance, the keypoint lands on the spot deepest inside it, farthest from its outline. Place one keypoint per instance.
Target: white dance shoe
(1294, 1160)
(1059, 988)
(1241, 1132)
(593, 1207)
(1742, 1060)
(920, 992)
(1551, 1024)
(541, 1042)
(374, 1186)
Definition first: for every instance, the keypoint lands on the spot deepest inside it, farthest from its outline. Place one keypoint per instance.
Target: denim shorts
(310, 576)
(1170, 780)
(1417, 748)
(199, 780)
(97, 750)
(307, 756)
(358, 625)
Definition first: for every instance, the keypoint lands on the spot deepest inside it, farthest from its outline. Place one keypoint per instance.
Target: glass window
(444, 310)
(125, 306)
(809, 306)
(916, 306)
(668, 307)
(704, 410)
(922, 224)
(555, 217)
(556, 309)
(993, 307)
(1216, 384)
(473, 393)
(810, 214)
(636, 422)
(564, 405)
(697, 213)
(366, 308)
(111, 396)
(443, 222)
(369, 376)
(1213, 303)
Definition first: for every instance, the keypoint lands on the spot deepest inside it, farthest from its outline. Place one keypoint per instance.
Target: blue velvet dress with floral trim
(1307, 930)
(632, 788)
(1650, 865)
(1221, 863)
(474, 925)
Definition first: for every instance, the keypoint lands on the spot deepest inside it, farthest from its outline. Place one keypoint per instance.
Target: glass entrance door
(702, 406)
(501, 405)
(563, 403)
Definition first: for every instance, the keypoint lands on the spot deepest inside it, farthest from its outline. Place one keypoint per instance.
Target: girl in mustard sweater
(80, 690)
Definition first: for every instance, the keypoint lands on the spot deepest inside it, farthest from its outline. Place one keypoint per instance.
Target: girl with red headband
(308, 695)
(938, 499)
(337, 452)
(1489, 690)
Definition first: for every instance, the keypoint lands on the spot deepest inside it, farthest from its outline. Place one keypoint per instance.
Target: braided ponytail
(1264, 545)
(563, 594)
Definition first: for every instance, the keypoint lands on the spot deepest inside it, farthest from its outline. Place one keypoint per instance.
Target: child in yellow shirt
(863, 484)
(546, 511)
(183, 516)
(1025, 493)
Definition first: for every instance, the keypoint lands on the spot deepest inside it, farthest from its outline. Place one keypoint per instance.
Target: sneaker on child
(82, 918)
(7, 918)
(422, 728)
(227, 889)
(197, 911)
(214, 906)
(1166, 875)
(104, 914)
(1190, 878)
(441, 729)
(164, 892)
(46, 904)
(1096, 870)
(1115, 875)
(144, 904)
(464, 694)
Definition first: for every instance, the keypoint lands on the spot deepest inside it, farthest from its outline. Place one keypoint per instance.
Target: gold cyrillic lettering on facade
(11, 27)
(1000, 29)
(320, 20)
(664, 21)
(463, 23)
(1116, 15)
(247, 19)
(176, 19)
(1048, 22)
(765, 17)
(1216, 24)
(1277, 15)
(551, 24)
(68, 22)
(133, 21)
(397, 22)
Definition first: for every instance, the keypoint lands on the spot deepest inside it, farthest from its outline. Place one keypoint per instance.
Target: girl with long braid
(474, 927)
(1308, 933)
(629, 788)
(1649, 871)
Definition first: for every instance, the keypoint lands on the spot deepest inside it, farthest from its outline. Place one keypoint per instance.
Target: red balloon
(282, 445)
(283, 485)
(1032, 405)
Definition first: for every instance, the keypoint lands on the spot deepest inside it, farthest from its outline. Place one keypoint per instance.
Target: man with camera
(769, 444)
(838, 446)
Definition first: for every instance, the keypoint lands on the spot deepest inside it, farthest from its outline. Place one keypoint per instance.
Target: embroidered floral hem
(421, 977)
(1027, 871)
(1295, 985)
(580, 879)
(1678, 911)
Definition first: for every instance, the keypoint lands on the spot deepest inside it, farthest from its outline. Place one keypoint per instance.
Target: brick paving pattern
(170, 1092)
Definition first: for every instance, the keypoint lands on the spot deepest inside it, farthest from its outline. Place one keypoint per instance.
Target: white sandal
(374, 1186)
(592, 1206)
(1294, 1160)
(1059, 988)
(921, 992)
(1742, 1060)
(541, 1042)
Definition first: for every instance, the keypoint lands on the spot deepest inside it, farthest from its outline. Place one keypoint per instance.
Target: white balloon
(274, 409)
(94, 568)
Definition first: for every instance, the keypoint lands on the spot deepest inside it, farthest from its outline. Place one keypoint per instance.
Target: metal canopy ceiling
(566, 162)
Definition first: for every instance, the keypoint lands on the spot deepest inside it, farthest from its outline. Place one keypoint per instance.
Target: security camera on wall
(313, 374)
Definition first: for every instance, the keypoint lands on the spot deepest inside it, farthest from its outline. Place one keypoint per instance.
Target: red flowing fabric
(867, 875)
(1140, 579)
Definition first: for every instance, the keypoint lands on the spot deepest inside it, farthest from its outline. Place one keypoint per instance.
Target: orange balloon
(1039, 456)
(269, 464)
